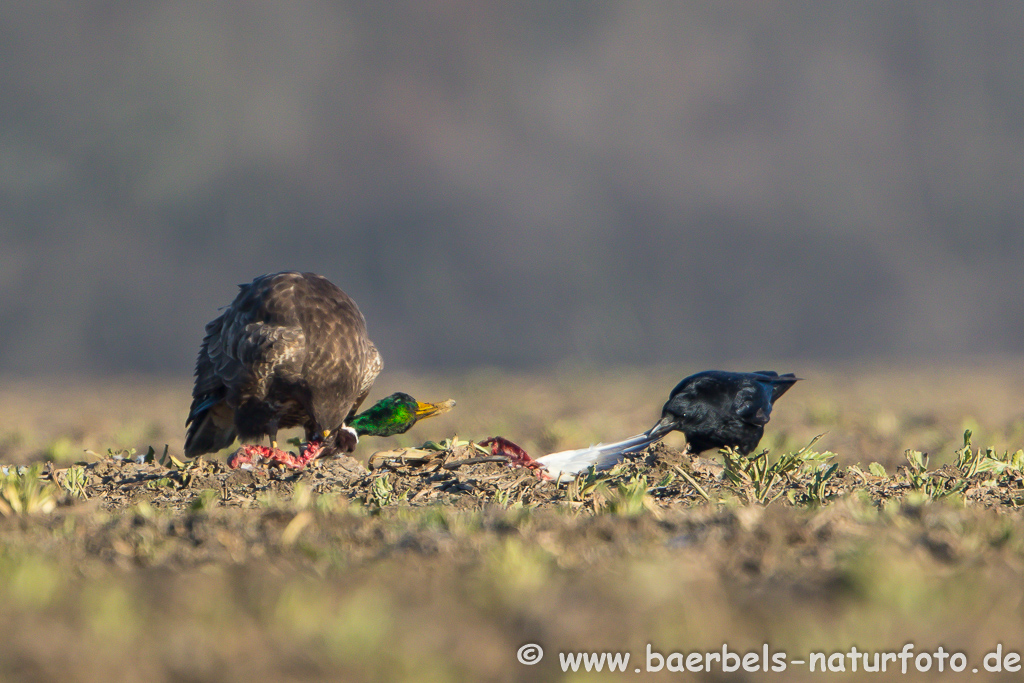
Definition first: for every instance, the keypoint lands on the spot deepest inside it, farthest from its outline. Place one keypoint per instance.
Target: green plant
(503, 498)
(204, 500)
(585, 484)
(816, 465)
(933, 485)
(967, 461)
(382, 492)
(162, 482)
(630, 498)
(74, 480)
(971, 462)
(755, 477)
(815, 495)
(917, 469)
(812, 460)
(23, 492)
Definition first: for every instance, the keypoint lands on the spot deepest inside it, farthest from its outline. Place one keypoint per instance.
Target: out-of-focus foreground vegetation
(886, 530)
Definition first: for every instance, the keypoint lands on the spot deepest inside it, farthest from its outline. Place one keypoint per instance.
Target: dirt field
(423, 568)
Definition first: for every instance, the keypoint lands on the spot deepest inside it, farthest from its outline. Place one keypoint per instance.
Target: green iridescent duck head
(395, 414)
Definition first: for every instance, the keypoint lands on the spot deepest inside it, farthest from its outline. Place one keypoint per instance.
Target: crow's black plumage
(715, 409)
(291, 350)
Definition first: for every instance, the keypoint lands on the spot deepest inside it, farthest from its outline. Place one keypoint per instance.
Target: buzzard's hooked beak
(327, 433)
(431, 409)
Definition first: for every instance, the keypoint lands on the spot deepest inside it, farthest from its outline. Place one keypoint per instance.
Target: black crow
(715, 409)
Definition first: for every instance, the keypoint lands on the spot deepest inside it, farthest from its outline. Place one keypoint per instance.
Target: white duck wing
(565, 465)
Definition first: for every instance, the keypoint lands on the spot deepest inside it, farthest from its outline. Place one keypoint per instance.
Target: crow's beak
(665, 425)
(760, 417)
(424, 410)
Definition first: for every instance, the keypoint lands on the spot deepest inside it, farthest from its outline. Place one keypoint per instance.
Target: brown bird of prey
(291, 350)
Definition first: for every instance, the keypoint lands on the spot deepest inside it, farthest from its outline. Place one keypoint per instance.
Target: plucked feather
(563, 466)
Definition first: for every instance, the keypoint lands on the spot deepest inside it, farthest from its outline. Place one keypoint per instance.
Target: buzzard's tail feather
(211, 427)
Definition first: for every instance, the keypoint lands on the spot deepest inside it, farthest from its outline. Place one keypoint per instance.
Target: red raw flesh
(252, 454)
(517, 457)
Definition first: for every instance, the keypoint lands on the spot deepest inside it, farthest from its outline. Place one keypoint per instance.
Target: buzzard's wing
(374, 364)
(341, 362)
(238, 357)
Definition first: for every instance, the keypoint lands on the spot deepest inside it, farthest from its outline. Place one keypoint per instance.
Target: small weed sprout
(755, 477)
(917, 469)
(381, 492)
(502, 497)
(630, 498)
(25, 493)
(584, 485)
(505, 499)
(74, 480)
(971, 462)
(815, 495)
(967, 461)
(206, 499)
(666, 481)
(932, 485)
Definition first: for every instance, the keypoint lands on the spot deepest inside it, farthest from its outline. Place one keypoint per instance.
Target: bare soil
(418, 478)
(416, 566)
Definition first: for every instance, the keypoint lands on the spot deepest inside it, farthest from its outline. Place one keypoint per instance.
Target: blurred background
(550, 211)
(515, 184)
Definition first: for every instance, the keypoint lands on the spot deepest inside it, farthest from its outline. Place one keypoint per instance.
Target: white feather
(563, 466)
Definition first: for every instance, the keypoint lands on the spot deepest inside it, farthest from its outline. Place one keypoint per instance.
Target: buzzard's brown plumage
(291, 350)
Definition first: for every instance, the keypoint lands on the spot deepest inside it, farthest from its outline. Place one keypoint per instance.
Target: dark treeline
(515, 183)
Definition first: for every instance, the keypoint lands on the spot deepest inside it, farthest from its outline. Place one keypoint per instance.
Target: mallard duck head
(396, 414)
